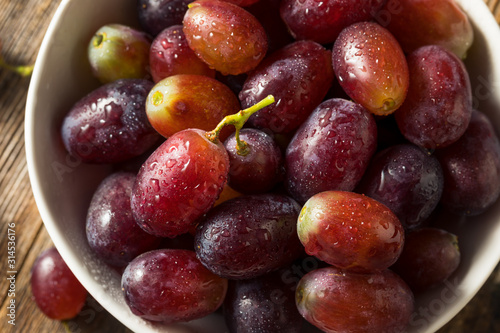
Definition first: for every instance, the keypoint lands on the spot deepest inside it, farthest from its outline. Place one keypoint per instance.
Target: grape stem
(238, 120)
(21, 70)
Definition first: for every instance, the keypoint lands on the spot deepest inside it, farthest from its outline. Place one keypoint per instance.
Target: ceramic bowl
(63, 185)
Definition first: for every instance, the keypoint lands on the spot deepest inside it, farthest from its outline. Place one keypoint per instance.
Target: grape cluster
(349, 132)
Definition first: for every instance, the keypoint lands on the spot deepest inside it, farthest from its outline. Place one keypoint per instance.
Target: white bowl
(63, 186)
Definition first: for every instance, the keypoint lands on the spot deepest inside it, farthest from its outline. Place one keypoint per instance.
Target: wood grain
(22, 26)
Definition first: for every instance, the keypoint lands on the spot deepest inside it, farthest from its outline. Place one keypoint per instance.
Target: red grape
(350, 231)
(157, 15)
(55, 289)
(371, 67)
(171, 286)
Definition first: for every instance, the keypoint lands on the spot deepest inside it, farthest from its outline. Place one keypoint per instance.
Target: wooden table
(22, 26)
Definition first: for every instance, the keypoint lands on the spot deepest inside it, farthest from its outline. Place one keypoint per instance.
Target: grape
(406, 179)
(170, 54)
(242, 3)
(323, 21)
(249, 236)
(298, 76)
(171, 286)
(371, 67)
(331, 150)
(179, 183)
(340, 301)
(55, 289)
(438, 106)
(428, 22)
(185, 101)
(471, 168)
(260, 169)
(109, 125)
(227, 37)
(227, 194)
(350, 231)
(119, 52)
(261, 305)
(429, 257)
(111, 229)
(157, 15)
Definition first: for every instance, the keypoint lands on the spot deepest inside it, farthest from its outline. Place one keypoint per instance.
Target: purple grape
(110, 125)
(429, 257)
(156, 15)
(249, 236)
(406, 179)
(471, 168)
(111, 229)
(331, 150)
(438, 105)
(260, 169)
(261, 305)
(171, 286)
(298, 76)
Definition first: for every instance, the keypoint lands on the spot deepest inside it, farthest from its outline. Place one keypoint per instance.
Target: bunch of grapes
(274, 132)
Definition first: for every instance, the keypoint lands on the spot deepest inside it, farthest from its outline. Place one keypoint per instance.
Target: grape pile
(278, 134)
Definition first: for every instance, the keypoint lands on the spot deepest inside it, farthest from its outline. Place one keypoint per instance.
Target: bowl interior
(63, 185)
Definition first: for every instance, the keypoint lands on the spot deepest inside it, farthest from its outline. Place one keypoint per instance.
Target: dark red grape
(156, 15)
(170, 55)
(249, 236)
(260, 169)
(111, 229)
(407, 179)
(428, 22)
(261, 305)
(429, 257)
(471, 168)
(119, 52)
(350, 231)
(331, 150)
(438, 106)
(322, 21)
(340, 301)
(371, 67)
(298, 76)
(242, 3)
(184, 101)
(179, 183)
(227, 37)
(56, 291)
(171, 286)
(110, 125)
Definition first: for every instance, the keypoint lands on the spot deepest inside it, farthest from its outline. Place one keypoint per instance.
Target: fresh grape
(111, 229)
(371, 67)
(406, 179)
(323, 21)
(55, 289)
(298, 76)
(438, 106)
(249, 236)
(260, 168)
(185, 101)
(428, 22)
(340, 301)
(171, 286)
(261, 305)
(331, 150)
(110, 125)
(471, 168)
(350, 231)
(157, 15)
(227, 37)
(170, 54)
(119, 52)
(429, 257)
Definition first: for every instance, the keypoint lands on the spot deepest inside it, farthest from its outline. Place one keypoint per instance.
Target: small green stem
(238, 120)
(21, 70)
